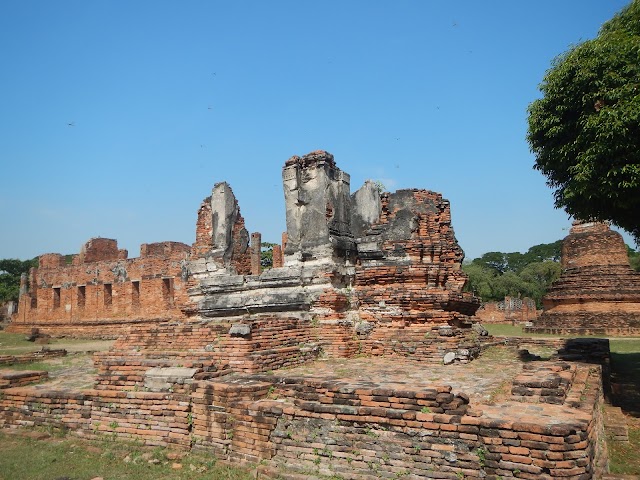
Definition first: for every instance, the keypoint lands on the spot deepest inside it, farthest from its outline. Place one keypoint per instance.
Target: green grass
(49, 367)
(14, 341)
(623, 346)
(80, 459)
(508, 330)
(623, 457)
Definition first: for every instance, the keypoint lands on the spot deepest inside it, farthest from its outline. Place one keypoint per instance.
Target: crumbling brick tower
(370, 273)
(598, 292)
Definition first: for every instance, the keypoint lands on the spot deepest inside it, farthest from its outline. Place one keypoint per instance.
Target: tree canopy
(266, 255)
(585, 130)
(496, 275)
(10, 271)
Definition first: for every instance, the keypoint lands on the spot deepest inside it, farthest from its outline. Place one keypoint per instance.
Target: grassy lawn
(80, 459)
(623, 457)
(508, 330)
(16, 343)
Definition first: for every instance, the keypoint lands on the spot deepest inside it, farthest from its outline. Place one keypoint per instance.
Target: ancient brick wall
(100, 293)
(10, 378)
(204, 229)
(152, 418)
(510, 310)
(265, 343)
(367, 432)
(31, 356)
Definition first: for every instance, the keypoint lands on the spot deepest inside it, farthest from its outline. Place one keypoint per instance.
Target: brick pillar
(256, 247)
(277, 256)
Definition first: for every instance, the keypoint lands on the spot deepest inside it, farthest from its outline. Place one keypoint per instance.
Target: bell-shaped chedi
(598, 292)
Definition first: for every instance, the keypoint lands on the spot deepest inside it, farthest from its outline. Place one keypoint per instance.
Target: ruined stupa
(598, 292)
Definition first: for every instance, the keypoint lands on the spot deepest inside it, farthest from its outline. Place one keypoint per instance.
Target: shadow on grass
(625, 382)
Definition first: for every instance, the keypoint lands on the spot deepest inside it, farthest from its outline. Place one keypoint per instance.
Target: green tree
(545, 252)
(266, 255)
(510, 284)
(496, 261)
(585, 130)
(481, 281)
(634, 258)
(10, 271)
(538, 277)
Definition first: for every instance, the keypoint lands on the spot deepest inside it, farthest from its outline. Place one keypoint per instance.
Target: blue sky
(117, 117)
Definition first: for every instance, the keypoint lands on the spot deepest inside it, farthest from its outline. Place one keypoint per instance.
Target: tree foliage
(531, 281)
(496, 275)
(10, 271)
(634, 258)
(266, 255)
(516, 261)
(585, 131)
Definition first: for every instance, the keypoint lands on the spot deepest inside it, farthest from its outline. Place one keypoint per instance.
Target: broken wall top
(106, 250)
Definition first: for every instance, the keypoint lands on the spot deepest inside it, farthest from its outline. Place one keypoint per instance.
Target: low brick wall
(103, 329)
(547, 383)
(153, 418)
(270, 343)
(587, 329)
(126, 372)
(225, 421)
(10, 378)
(306, 427)
(32, 356)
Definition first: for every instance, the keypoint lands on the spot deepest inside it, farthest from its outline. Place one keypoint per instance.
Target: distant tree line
(496, 275)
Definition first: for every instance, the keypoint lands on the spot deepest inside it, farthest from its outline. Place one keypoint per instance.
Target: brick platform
(314, 420)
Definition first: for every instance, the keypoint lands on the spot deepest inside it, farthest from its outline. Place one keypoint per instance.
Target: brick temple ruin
(510, 310)
(102, 292)
(597, 293)
(213, 350)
